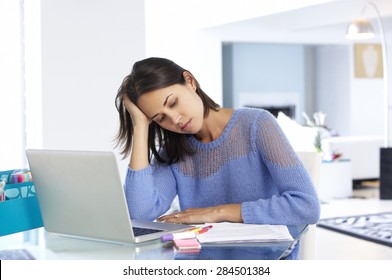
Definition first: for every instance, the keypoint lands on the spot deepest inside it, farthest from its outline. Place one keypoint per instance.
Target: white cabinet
(335, 180)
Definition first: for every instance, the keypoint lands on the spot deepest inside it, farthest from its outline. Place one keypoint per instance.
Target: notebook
(238, 233)
(80, 194)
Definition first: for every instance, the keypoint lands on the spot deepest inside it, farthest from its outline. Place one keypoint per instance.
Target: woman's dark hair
(148, 75)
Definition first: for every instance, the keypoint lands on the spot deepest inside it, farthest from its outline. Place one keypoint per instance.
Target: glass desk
(39, 244)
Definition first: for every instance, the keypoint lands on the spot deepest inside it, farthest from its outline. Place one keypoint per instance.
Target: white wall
(366, 100)
(366, 106)
(11, 87)
(88, 47)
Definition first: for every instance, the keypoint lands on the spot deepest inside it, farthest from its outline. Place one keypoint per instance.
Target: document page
(238, 232)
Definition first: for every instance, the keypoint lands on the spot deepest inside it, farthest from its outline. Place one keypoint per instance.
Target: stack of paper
(238, 232)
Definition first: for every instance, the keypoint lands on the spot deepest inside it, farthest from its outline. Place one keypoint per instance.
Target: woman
(224, 164)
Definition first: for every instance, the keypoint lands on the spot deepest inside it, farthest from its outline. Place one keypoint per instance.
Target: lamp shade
(360, 29)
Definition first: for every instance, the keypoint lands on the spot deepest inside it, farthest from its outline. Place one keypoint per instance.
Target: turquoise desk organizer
(20, 211)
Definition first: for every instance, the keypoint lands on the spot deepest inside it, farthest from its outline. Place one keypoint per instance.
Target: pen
(207, 228)
(196, 229)
(203, 229)
(2, 194)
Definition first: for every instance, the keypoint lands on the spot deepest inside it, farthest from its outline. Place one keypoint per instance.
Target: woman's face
(177, 108)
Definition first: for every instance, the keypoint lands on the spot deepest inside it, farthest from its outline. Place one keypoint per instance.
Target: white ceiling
(324, 23)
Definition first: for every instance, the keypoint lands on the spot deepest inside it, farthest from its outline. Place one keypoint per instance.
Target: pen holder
(19, 210)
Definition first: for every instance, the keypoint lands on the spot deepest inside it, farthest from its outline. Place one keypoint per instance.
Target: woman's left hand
(221, 213)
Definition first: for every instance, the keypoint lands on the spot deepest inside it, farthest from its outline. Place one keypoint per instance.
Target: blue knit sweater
(251, 163)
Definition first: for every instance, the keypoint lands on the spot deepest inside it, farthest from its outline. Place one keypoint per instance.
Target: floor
(335, 246)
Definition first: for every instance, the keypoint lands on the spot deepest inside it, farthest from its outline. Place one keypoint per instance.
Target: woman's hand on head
(215, 214)
(137, 116)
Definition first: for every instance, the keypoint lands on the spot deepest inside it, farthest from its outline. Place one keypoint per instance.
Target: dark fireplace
(288, 110)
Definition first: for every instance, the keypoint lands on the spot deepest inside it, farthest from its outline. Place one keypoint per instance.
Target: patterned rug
(374, 227)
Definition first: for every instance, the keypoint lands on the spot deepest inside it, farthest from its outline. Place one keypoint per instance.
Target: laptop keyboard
(137, 231)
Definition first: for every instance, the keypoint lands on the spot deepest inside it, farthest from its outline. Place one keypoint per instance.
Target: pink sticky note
(187, 244)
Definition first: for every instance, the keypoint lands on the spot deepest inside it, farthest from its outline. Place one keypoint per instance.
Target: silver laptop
(80, 193)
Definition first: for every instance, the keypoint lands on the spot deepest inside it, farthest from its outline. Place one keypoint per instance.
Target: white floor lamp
(362, 29)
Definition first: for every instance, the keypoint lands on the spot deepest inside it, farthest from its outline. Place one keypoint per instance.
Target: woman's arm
(149, 190)
(221, 213)
(296, 201)
(139, 151)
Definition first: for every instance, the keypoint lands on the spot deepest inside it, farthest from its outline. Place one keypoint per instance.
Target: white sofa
(362, 151)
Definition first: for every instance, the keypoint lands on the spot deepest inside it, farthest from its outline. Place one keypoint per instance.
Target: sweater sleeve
(149, 192)
(296, 201)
